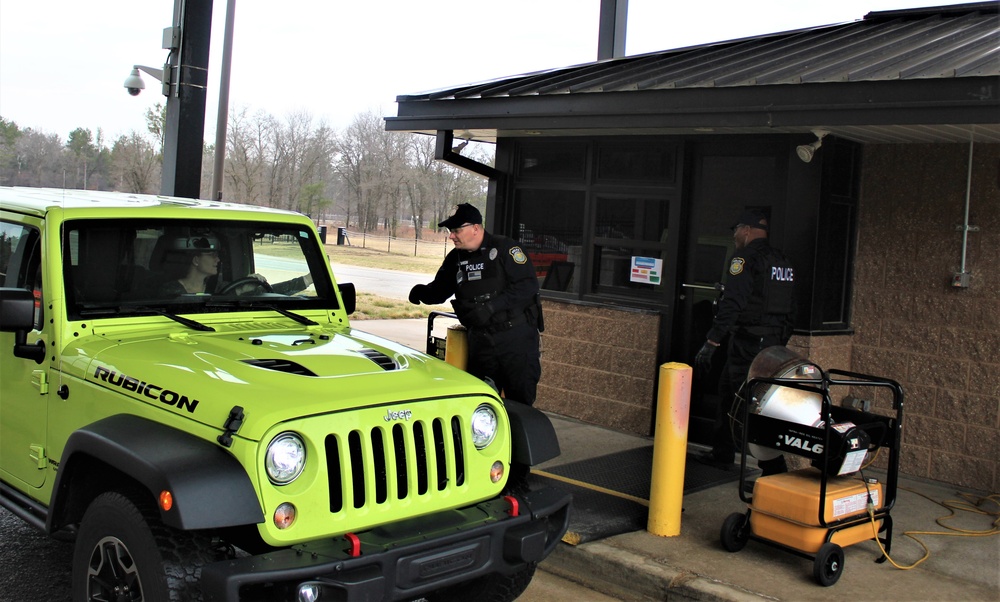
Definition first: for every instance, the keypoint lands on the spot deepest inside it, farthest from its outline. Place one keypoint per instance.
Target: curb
(636, 578)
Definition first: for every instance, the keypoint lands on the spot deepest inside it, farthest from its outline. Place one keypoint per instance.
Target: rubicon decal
(149, 390)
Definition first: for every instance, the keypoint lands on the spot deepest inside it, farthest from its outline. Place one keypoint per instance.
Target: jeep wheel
(491, 588)
(123, 553)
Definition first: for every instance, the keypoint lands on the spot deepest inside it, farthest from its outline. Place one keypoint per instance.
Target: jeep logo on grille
(400, 415)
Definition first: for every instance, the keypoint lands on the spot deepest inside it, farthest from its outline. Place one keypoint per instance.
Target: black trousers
(511, 358)
(742, 350)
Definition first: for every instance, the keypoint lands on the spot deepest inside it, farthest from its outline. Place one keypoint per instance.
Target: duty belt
(506, 325)
(759, 331)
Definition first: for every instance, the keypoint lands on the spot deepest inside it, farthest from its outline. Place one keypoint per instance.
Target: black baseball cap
(464, 214)
(754, 219)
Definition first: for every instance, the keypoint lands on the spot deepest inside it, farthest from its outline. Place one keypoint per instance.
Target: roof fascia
(963, 100)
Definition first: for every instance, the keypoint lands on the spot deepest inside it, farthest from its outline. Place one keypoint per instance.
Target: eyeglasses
(458, 229)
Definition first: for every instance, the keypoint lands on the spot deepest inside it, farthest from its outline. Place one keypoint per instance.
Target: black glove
(472, 314)
(479, 315)
(703, 359)
(417, 293)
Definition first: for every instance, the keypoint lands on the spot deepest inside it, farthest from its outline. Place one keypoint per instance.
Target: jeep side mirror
(17, 315)
(349, 295)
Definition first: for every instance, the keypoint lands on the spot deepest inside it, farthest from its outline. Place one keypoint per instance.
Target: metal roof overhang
(921, 110)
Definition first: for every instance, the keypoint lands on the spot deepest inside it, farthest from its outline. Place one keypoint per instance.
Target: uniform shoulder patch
(518, 255)
(736, 266)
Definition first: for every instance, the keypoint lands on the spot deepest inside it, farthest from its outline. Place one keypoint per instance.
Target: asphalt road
(36, 568)
(384, 283)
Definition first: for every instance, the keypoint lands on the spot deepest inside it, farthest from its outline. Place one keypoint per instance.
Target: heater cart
(815, 512)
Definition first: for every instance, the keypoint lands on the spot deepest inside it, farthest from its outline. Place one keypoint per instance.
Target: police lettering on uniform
(757, 311)
(496, 299)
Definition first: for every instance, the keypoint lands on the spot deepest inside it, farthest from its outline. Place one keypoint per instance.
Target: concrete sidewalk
(694, 565)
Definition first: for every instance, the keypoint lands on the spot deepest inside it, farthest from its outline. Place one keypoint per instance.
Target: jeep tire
(124, 552)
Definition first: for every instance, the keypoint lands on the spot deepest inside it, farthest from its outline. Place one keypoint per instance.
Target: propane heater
(792, 405)
(784, 408)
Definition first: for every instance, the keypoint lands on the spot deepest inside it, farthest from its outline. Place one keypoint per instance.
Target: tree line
(363, 177)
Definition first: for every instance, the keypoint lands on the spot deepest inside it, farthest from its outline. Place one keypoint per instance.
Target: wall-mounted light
(806, 151)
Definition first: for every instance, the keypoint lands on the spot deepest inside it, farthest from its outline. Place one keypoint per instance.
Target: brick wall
(942, 344)
(599, 365)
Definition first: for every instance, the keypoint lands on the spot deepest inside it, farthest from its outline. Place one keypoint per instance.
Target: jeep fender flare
(197, 473)
(533, 438)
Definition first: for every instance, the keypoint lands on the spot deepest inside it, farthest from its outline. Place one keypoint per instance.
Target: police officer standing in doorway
(496, 299)
(757, 310)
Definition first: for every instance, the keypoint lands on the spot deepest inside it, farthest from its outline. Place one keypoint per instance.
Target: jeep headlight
(484, 426)
(285, 458)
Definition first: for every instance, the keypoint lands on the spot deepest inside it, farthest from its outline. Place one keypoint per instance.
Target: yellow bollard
(456, 347)
(666, 487)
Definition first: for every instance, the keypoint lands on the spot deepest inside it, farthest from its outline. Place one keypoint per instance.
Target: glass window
(637, 160)
(20, 262)
(564, 159)
(122, 267)
(549, 225)
(630, 233)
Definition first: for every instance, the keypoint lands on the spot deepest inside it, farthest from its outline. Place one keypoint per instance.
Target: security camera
(134, 83)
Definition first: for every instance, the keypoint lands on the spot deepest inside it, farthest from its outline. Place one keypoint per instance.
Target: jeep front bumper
(402, 561)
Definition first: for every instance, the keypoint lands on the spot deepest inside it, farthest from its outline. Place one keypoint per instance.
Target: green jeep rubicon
(182, 393)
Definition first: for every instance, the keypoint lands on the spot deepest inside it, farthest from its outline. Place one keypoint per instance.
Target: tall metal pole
(611, 29)
(183, 141)
(223, 117)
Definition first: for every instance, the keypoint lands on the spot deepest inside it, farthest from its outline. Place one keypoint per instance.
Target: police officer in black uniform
(757, 310)
(496, 299)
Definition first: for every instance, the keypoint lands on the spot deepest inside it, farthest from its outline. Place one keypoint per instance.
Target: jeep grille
(405, 460)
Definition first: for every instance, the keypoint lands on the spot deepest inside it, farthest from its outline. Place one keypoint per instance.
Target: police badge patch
(493, 253)
(736, 267)
(518, 255)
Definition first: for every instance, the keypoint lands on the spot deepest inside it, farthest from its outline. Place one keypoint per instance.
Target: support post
(183, 138)
(666, 490)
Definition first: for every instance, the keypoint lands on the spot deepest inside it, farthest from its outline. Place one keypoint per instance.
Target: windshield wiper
(118, 311)
(243, 303)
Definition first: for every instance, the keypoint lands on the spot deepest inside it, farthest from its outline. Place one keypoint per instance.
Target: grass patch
(373, 258)
(374, 307)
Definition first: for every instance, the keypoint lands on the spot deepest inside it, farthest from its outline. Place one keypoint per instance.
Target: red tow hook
(355, 550)
(515, 506)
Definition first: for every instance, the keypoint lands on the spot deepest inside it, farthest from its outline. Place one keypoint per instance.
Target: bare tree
(136, 164)
(247, 156)
(41, 159)
(372, 164)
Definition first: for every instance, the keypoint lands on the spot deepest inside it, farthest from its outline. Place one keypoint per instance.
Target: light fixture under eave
(806, 151)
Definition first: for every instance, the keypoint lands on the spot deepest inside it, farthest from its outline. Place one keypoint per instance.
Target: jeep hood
(274, 375)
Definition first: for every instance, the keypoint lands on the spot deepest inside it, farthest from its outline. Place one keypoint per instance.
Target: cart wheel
(829, 564)
(735, 532)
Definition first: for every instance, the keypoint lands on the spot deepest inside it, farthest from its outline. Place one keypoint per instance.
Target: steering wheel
(235, 284)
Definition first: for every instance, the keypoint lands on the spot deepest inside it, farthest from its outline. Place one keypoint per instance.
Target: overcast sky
(63, 62)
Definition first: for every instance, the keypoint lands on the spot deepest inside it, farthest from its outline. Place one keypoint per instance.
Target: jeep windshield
(169, 266)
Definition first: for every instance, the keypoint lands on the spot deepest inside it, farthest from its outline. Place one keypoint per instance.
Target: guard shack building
(874, 147)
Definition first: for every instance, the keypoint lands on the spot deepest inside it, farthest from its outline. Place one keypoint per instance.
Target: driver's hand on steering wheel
(249, 288)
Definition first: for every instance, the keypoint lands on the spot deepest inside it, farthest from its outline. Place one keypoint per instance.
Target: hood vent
(384, 361)
(282, 366)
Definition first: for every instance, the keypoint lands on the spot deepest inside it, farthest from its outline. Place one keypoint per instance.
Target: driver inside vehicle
(192, 267)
